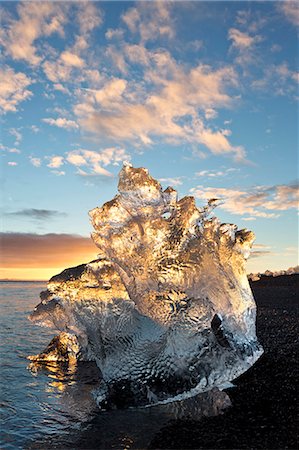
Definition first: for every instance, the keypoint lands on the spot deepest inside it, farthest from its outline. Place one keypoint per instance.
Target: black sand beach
(264, 412)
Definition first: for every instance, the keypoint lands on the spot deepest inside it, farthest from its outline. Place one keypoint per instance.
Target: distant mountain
(269, 273)
(6, 280)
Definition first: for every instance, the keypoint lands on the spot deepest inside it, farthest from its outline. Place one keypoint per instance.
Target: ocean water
(55, 408)
(29, 403)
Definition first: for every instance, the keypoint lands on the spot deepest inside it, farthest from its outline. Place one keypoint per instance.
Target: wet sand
(264, 412)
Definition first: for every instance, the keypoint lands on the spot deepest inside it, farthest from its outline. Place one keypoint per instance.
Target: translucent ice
(166, 311)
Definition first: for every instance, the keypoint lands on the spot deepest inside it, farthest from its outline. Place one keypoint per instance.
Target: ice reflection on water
(122, 429)
(53, 407)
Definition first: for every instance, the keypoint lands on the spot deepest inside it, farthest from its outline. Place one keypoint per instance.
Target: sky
(203, 94)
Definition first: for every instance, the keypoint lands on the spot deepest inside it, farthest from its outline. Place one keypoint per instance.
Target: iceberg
(166, 311)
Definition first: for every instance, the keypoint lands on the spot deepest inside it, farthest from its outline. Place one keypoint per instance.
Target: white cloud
(96, 171)
(172, 107)
(248, 219)
(260, 201)
(276, 48)
(131, 18)
(71, 59)
(35, 19)
(177, 181)
(94, 161)
(204, 173)
(76, 159)
(56, 71)
(4, 148)
(138, 54)
(291, 10)
(36, 162)
(12, 163)
(116, 33)
(13, 89)
(117, 58)
(244, 45)
(55, 162)
(61, 122)
(111, 93)
(279, 79)
(150, 20)
(195, 45)
(89, 16)
(210, 113)
(14, 150)
(257, 246)
(218, 143)
(58, 173)
(93, 76)
(70, 65)
(61, 88)
(16, 133)
(34, 128)
(215, 173)
(242, 40)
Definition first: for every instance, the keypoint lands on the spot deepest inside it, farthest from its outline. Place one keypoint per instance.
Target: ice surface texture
(166, 311)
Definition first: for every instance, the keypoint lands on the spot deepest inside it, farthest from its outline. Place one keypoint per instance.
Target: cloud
(12, 163)
(290, 10)
(70, 66)
(36, 162)
(21, 250)
(16, 133)
(292, 249)
(93, 162)
(276, 48)
(259, 250)
(116, 33)
(89, 163)
(172, 105)
(61, 122)
(37, 214)
(89, 17)
(57, 72)
(241, 40)
(58, 173)
(4, 148)
(259, 253)
(259, 201)
(111, 93)
(257, 246)
(35, 19)
(14, 150)
(279, 79)
(71, 59)
(13, 89)
(218, 143)
(61, 88)
(210, 113)
(177, 181)
(55, 162)
(117, 58)
(215, 173)
(150, 20)
(245, 46)
(34, 129)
